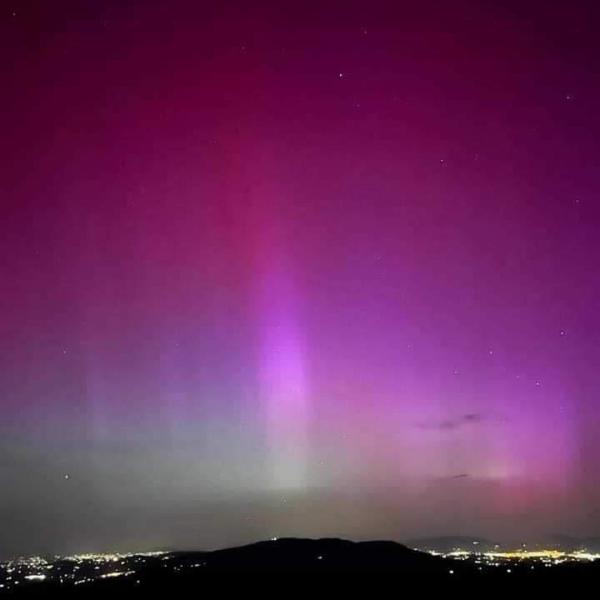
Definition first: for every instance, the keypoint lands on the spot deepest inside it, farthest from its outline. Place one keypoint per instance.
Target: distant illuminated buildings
(498, 558)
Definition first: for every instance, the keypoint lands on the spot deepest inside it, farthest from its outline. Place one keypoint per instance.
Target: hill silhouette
(322, 555)
(295, 564)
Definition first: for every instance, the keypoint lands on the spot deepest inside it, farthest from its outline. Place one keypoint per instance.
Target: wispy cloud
(452, 424)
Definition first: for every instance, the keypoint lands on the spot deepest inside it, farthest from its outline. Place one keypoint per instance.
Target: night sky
(298, 268)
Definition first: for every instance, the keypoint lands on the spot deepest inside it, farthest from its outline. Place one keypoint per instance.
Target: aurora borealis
(298, 268)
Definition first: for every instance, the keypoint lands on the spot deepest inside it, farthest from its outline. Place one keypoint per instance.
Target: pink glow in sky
(245, 296)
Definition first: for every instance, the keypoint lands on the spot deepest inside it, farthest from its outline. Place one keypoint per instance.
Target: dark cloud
(452, 424)
(472, 418)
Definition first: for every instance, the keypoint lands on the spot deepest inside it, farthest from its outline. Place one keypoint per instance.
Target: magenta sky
(298, 268)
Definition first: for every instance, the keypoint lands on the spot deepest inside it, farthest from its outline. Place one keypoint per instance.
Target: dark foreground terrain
(293, 563)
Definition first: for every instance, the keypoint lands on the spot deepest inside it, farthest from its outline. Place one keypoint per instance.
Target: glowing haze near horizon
(296, 268)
